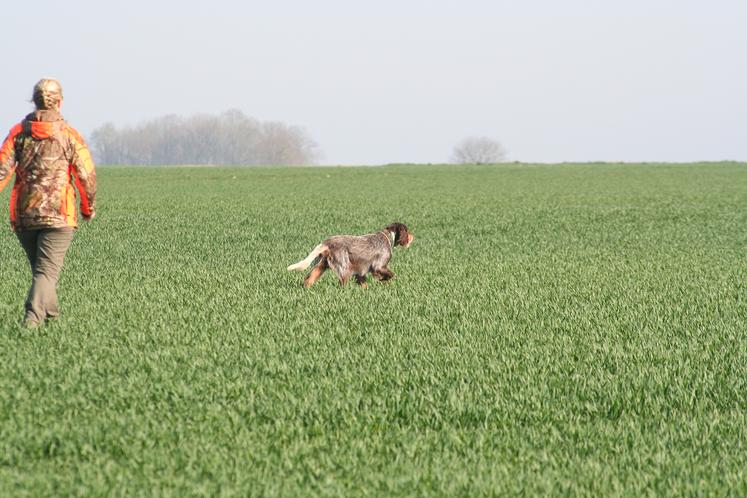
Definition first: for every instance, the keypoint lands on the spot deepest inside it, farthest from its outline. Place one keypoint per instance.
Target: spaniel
(355, 256)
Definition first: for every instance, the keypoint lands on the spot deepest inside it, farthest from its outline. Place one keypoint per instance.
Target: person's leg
(28, 240)
(51, 246)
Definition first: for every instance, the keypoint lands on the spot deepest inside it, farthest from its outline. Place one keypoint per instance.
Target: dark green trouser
(46, 250)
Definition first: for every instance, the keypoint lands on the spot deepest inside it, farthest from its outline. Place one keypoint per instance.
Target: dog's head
(402, 235)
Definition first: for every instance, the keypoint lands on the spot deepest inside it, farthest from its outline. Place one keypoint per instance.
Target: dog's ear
(400, 233)
(403, 234)
(394, 228)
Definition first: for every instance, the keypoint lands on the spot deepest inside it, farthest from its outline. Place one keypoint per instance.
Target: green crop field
(553, 330)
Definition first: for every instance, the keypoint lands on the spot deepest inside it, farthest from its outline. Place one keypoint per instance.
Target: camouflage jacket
(47, 156)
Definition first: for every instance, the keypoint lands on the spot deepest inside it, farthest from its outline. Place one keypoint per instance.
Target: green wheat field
(574, 329)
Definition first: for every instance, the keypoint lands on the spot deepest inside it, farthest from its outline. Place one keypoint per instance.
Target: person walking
(48, 157)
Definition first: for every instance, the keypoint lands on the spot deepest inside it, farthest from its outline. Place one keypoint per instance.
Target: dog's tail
(313, 255)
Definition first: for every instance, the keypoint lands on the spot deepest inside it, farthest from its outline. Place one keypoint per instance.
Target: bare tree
(230, 138)
(106, 140)
(478, 150)
(286, 145)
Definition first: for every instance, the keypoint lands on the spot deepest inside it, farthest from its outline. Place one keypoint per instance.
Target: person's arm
(8, 157)
(84, 172)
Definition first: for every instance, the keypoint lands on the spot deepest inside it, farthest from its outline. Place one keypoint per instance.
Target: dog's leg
(361, 280)
(344, 278)
(383, 274)
(316, 272)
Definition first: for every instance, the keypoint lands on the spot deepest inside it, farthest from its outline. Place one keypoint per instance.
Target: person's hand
(90, 216)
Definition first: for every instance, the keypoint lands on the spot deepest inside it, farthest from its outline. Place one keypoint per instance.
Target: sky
(404, 81)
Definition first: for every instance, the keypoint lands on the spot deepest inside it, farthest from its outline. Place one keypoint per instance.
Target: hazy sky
(403, 81)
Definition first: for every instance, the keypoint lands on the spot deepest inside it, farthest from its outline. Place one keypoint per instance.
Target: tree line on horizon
(233, 138)
(229, 138)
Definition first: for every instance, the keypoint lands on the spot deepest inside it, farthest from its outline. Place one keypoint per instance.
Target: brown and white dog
(349, 255)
